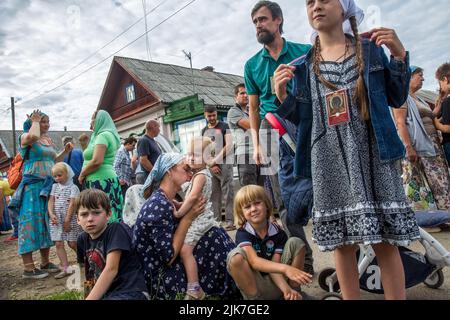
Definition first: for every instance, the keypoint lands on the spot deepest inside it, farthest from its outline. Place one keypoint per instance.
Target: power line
(4, 112)
(5, 109)
(95, 65)
(93, 54)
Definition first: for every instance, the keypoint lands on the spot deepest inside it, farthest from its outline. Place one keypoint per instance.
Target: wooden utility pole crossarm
(189, 56)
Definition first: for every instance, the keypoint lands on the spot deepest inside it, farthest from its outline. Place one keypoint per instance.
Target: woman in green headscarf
(98, 171)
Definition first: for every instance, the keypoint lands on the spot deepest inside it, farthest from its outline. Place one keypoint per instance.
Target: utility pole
(189, 56)
(147, 41)
(13, 127)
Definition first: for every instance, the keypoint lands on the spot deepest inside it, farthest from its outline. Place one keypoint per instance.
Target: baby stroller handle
(367, 258)
(419, 268)
(436, 253)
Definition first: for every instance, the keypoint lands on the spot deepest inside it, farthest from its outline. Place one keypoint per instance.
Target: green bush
(65, 295)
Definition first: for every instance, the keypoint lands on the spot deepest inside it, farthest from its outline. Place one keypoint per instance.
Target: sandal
(195, 295)
(64, 273)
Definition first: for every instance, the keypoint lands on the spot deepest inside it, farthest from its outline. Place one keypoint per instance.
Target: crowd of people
(150, 225)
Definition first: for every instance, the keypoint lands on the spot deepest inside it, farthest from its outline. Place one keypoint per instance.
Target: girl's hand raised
(281, 77)
(389, 38)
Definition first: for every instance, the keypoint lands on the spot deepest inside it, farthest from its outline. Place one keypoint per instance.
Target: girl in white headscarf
(63, 221)
(347, 141)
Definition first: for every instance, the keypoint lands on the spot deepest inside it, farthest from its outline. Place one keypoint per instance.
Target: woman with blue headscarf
(39, 155)
(159, 236)
(425, 170)
(98, 171)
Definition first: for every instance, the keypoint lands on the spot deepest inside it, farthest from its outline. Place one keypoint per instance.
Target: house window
(188, 129)
(129, 93)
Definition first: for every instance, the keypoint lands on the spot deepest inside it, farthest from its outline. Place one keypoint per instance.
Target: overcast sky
(42, 40)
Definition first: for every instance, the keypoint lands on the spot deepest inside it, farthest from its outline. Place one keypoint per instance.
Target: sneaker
(50, 267)
(63, 273)
(35, 274)
(195, 295)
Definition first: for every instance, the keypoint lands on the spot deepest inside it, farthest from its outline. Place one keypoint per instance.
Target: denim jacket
(387, 83)
(27, 179)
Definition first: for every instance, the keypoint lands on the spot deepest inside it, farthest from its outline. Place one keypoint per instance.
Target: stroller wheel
(322, 279)
(435, 280)
(332, 296)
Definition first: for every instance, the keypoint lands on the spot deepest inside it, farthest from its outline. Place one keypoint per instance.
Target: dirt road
(12, 286)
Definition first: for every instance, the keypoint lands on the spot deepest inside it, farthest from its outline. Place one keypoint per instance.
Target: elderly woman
(39, 155)
(98, 171)
(159, 236)
(425, 158)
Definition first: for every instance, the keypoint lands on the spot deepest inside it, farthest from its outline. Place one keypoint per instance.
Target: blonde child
(348, 143)
(266, 264)
(63, 223)
(199, 187)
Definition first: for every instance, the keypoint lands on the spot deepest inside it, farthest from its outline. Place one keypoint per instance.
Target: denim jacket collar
(387, 84)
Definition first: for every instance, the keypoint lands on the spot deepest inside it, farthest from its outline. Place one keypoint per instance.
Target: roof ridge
(174, 65)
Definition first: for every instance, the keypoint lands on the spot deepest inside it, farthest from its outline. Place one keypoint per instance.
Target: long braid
(360, 95)
(316, 66)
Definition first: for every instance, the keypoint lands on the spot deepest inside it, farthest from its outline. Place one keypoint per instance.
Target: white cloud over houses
(41, 40)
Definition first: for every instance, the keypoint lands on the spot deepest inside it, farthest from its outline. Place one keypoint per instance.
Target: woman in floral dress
(159, 236)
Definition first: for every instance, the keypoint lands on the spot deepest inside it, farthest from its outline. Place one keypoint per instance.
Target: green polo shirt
(259, 71)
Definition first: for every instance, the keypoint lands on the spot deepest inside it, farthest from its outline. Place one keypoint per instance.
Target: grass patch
(65, 295)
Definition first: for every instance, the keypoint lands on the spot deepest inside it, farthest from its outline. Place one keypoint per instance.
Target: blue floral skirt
(169, 283)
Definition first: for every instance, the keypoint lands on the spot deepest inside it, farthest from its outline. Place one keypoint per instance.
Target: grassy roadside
(66, 295)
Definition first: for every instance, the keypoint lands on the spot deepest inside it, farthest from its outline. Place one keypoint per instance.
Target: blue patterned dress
(153, 236)
(357, 198)
(34, 227)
